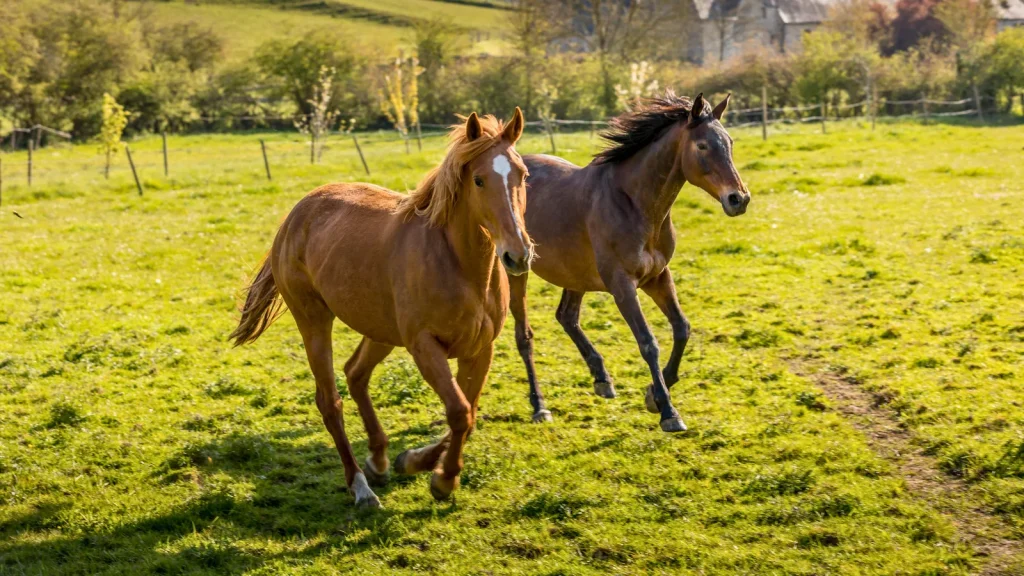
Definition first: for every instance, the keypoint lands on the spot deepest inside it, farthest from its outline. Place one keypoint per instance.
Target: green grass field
(381, 25)
(853, 386)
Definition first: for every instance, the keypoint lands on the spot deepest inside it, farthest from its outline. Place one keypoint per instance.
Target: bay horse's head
(494, 187)
(706, 157)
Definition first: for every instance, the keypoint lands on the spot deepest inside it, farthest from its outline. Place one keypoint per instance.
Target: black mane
(634, 130)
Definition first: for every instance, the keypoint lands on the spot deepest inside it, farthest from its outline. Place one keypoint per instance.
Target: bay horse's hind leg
(663, 291)
(357, 374)
(524, 342)
(568, 316)
(314, 320)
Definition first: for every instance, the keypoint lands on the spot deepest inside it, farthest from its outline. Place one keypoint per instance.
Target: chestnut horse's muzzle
(517, 265)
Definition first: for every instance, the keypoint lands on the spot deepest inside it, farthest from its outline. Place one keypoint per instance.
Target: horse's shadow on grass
(298, 492)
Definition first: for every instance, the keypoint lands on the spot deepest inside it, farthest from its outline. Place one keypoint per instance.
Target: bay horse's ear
(514, 129)
(473, 128)
(697, 108)
(720, 109)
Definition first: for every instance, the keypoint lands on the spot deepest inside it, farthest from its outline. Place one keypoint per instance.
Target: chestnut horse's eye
(478, 181)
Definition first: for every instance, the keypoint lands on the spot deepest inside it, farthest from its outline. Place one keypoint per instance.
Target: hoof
(440, 488)
(373, 477)
(604, 389)
(650, 402)
(399, 465)
(674, 424)
(542, 416)
(370, 501)
(365, 498)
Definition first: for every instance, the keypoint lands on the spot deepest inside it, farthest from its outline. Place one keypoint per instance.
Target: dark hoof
(604, 389)
(674, 424)
(399, 465)
(542, 416)
(650, 402)
(440, 488)
(373, 477)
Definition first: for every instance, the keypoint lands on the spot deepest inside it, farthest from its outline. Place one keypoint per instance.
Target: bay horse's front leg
(623, 288)
(315, 326)
(432, 360)
(663, 291)
(568, 316)
(524, 342)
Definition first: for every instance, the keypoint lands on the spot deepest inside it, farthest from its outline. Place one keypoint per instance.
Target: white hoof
(365, 498)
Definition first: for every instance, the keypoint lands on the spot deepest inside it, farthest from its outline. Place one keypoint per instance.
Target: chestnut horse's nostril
(735, 199)
(508, 261)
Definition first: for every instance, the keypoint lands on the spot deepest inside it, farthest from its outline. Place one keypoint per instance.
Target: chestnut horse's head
(483, 172)
(706, 157)
(494, 186)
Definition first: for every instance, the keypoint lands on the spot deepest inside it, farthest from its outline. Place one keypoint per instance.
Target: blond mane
(436, 194)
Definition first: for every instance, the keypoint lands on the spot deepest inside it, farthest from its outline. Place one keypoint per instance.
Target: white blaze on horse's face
(502, 167)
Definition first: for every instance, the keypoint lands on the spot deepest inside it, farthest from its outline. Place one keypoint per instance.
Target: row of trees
(570, 59)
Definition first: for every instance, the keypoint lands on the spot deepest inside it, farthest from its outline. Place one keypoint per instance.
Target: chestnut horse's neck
(471, 246)
(653, 176)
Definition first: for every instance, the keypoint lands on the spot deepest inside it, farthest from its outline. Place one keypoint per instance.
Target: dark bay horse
(425, 271)
(607, 227)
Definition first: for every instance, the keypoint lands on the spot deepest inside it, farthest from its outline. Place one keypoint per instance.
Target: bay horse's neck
(653, 176)
(471, 246)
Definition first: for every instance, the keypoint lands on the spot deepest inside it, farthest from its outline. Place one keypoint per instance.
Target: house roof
(1010, 9)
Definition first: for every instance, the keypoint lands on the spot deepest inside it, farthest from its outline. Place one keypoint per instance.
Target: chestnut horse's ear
(514, 129)
(473, 128)
(720, 109)
(697, 108)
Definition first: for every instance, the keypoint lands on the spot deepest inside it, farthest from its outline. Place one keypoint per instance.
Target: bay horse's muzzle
(735, 203)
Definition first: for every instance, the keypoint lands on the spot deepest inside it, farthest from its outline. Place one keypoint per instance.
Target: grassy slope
(132, 439)
(244, 26)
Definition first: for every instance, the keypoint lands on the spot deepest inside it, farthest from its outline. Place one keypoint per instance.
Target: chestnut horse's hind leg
(623, 289)
(568, 316)
(663, 291)
(357, 373)
(524, 342)
(432, 360)
(314, 321)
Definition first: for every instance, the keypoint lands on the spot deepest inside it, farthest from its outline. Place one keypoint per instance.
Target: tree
(532, 29)
(436, 42)
(823, 66)
(319, 121)
(296, 66)
(617, 31)
(969, 24)
(114, 121)
(1002, 64)
(915, 22)
(401, 104)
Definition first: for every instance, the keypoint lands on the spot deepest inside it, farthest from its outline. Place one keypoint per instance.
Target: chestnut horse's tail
(262, 306)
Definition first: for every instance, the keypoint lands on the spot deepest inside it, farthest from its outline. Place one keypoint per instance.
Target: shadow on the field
(298, 500)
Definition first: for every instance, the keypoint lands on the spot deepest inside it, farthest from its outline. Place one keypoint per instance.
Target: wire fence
(49, 164)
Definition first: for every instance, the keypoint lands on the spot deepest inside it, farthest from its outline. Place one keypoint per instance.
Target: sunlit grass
(133, 439)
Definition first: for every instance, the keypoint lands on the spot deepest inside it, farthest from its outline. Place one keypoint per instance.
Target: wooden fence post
(1, 181)
(874, 105)
(764, 112)
(924, 107)
(551, 134)
(131, 163)
(30, 147)
(164, 136)
(266, 163)
(419, 137)
(361, 157)
(312, 147)
(977, 101)
(823, 110)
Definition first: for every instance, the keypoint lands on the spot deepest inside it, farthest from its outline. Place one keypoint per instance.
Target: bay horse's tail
(262, 306)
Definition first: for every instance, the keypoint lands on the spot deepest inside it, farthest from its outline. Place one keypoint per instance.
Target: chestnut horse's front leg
(623, 287)
(432, 360)
(663, 291)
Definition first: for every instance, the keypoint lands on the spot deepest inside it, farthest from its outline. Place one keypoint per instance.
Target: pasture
(853, 386)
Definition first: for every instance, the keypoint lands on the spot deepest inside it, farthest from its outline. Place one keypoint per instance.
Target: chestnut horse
(607, 227)
(423, 271)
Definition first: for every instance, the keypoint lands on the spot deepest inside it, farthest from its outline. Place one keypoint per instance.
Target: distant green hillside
(384, 25)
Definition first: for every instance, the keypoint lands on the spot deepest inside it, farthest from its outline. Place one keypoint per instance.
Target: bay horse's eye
(478, 181)
(702, 146)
